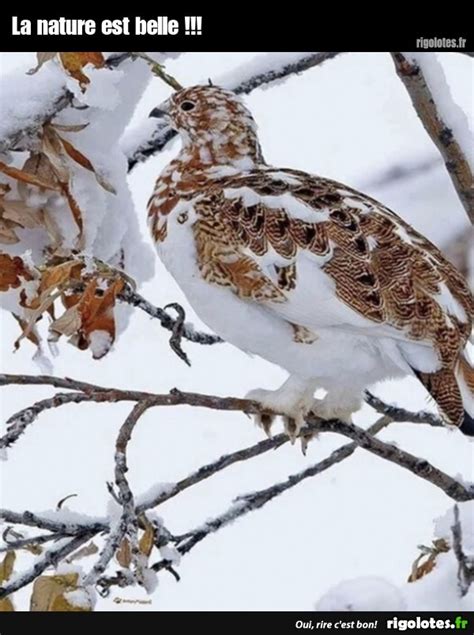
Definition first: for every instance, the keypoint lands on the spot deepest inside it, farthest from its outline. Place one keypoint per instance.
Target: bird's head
(213, 123)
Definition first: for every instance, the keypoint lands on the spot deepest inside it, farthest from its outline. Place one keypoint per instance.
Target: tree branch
(20, 139)
(127, 526)
(50, 558)
(465, 563)
(171, 324)
(442, 136)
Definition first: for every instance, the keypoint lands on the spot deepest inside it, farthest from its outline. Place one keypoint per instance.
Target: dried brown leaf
(147, 540)
(8, 235)
(52, 148)
(74, 63)
(49, 593)
(41, 59)
(76, 212)
(12, 269)
(20, 213)
(27, 177)
(6, 566)
(6, 605)
(83, 552)
(82, 160)
(124, 554)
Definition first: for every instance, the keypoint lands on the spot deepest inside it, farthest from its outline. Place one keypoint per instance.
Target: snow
(436, 591)
(159, 489)
(362, 594)
(100, 342)
(259, 65)
(350, 120)
(450, 112)
(81, 598)
(26, 97)
(110, 222)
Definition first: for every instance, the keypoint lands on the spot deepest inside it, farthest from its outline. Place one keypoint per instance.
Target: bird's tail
(465, 379)
(453, 391)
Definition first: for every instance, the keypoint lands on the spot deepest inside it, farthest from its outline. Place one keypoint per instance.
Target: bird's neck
(197, 166)
(209, 150)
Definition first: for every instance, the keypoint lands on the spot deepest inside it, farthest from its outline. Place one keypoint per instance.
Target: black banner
(231, 28)
(280, 622)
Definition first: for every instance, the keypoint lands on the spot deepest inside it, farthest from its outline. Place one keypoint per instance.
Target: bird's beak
(161, 111)
(158, 112)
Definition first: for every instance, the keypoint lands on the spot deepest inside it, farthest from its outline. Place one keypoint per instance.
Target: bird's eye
(187, 105)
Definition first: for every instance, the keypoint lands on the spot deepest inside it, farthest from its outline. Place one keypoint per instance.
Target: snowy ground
(350, 120)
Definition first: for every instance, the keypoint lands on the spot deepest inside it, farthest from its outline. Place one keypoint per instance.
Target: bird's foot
(290, 407)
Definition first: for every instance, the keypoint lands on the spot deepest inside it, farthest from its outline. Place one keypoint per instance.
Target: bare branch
(127, 526)
(442, 136)
(420, 467)
(39, 521)
(206, 471)
(400, 414)
(135, 299)
(256, 500)
(23, 543)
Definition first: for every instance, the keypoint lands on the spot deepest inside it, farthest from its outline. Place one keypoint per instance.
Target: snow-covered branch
(465, 563)
(262, 71)
(123, 530)
(442, 118)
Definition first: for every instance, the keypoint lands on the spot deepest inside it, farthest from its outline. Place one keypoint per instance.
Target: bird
(305, 272)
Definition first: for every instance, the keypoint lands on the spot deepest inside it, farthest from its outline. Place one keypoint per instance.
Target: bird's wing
(320, 254)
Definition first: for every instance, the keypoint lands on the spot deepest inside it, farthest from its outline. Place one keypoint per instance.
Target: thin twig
(187, 331)
(127, 526)
(400, 414)
(256, 500)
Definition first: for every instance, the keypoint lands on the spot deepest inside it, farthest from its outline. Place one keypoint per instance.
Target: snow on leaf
(49, 593)
(79, 158)
(74, 63)
(97, 313)
(41, 59)
(12, 269)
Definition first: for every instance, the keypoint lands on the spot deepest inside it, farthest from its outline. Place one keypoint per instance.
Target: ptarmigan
(305, 272)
